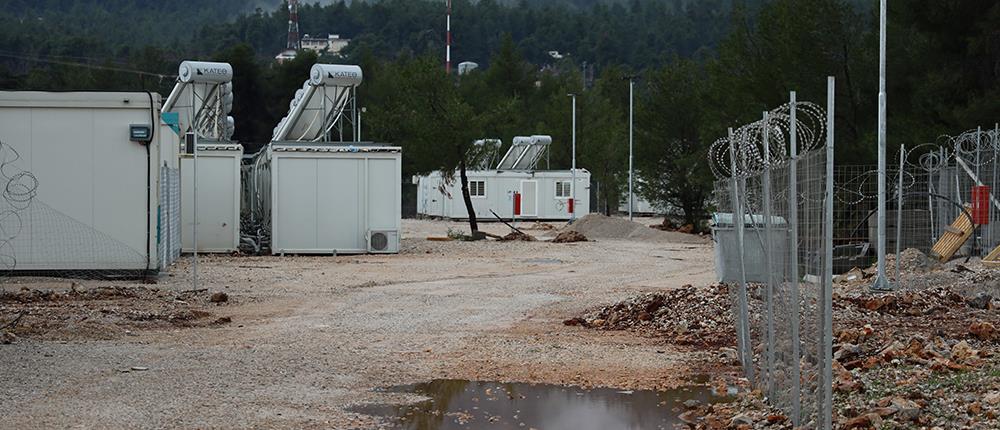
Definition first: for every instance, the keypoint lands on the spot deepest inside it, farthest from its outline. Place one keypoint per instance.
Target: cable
(88, 66)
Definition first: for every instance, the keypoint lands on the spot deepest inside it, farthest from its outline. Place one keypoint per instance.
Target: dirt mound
(912, 260)
(97, 313)
(569, 237)
(597, 226)
(686, 316)
(670, 225)
(516, 236)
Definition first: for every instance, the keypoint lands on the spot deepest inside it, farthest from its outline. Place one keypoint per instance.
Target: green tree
(671, 153)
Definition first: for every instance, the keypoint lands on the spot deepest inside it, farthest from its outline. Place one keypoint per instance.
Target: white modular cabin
(201, 102)
(545, 194)
(329, 199)
(81, 172)
(219, 190)
(310, 195)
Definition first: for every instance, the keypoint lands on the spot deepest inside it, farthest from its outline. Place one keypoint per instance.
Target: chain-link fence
(940, 204)
(169, 226)
(774, 234)
(788, 220)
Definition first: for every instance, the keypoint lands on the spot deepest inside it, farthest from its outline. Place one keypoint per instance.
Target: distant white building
(467, 66)
(286, 55)
(331, 44)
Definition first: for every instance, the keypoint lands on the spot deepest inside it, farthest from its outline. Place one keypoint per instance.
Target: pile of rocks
(569, 236)
(684, 316)
(517, 236)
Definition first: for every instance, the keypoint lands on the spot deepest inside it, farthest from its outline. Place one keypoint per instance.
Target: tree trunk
(473, 223)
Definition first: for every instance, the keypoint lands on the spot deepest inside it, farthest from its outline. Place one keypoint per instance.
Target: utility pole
(572, 215)
(881, 280)
(631, 164)
(447, 52)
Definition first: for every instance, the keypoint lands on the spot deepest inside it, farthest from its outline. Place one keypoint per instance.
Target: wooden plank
(992, 260)
(954, 237)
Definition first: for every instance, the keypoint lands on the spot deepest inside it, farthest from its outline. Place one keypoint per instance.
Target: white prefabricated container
(331, 198)
(219, 190)
(545, 194)
(86, 196)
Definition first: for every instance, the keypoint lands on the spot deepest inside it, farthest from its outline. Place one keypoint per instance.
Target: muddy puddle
(456, 404)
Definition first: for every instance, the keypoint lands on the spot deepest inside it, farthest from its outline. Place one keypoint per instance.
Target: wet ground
(458, 404)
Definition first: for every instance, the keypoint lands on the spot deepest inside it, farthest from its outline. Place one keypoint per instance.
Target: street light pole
(631, 109)
(572, 215)
(881, 280)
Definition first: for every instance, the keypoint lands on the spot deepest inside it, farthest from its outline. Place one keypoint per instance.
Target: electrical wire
(5, 54)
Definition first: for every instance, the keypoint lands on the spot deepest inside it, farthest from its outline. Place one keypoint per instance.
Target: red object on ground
(571, 206)
(981, 205)
(517, 204)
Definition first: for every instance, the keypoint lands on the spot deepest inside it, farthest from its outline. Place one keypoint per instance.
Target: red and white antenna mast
(293, 24)
(447, 54)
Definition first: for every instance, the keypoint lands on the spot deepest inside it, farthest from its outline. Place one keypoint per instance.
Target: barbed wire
(748, 141)
(19, 189)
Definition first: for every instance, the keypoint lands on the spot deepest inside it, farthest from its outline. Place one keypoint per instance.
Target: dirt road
(312, 336)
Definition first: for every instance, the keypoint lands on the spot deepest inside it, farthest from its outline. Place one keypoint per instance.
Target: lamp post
(881, 280)
(631, 114)
(572, 215)
(363, 110)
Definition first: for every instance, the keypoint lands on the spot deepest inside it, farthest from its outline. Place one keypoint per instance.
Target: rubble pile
(72, 313)
(569, 236)
(670, 225)
(517, 236)
(925, 356)
(685, 316)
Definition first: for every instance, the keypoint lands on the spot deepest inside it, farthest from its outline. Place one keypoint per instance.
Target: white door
(529, 198)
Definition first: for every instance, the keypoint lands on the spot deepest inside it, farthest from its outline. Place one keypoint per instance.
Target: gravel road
(312, 336)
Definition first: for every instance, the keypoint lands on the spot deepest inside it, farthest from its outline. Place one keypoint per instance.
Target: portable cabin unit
(545, 194)
(219, 188)
(82, 178)
(332, 199)
(201, 101)
(314, 196)
(541, 194)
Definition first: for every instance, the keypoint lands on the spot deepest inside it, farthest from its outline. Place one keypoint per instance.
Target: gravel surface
(311, 336)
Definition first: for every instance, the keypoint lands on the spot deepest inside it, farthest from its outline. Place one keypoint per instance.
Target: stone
(689, 417)
(775, 419)
(869, 420)
(983, 330)
(962, 352)
(846, 352)
(907, 410)
(741, 419)
(982, 301)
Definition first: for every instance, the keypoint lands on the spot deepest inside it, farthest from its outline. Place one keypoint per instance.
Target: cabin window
(564, 189)
(477, 189)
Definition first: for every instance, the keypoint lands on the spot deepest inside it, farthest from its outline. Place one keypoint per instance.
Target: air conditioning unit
(383, 242)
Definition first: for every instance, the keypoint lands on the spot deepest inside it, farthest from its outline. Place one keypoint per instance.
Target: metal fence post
(796, 302)
(768, 374)
(743, 320)
(827, 372)
(993, 190)
(899, 214)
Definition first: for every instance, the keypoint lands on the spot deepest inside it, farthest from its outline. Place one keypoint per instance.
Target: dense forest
(701, 66)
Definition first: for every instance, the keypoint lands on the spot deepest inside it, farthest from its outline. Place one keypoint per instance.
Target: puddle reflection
(457, 404)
